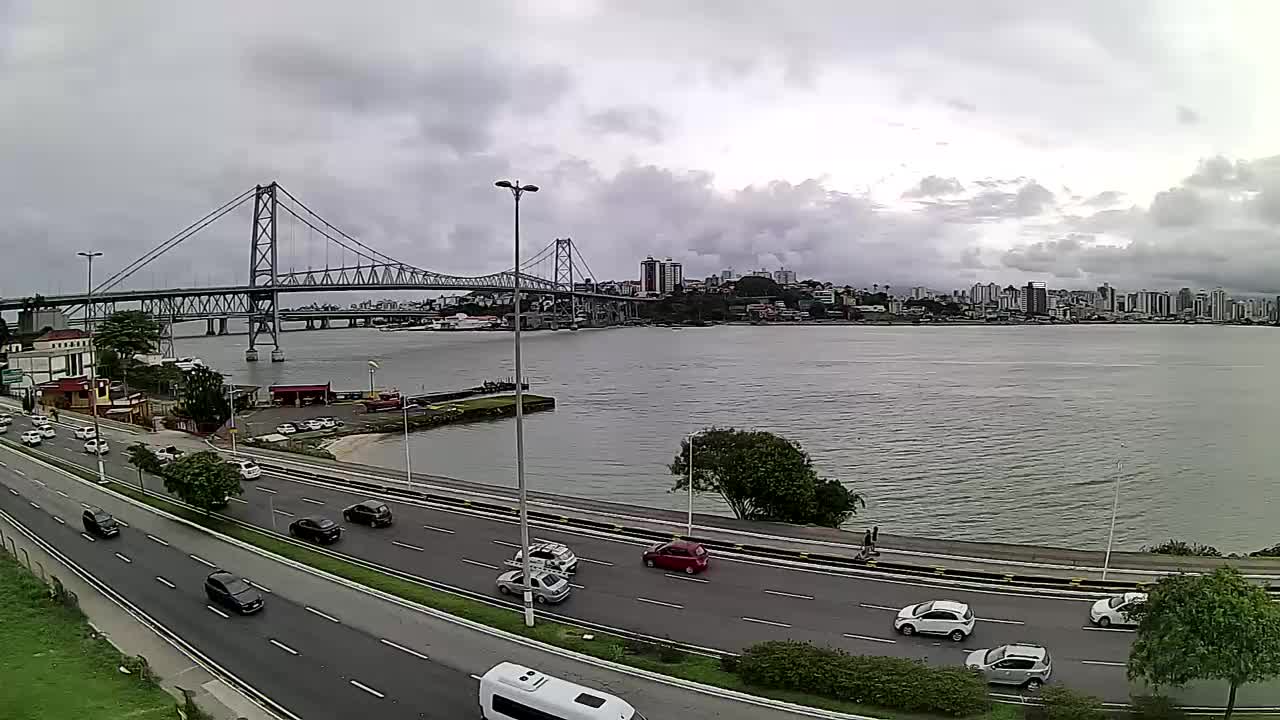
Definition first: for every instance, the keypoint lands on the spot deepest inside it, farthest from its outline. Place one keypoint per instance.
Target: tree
(756, 286)
(762, 476)
(817, 311)
(202, 479)
(126, 333)
(141, 457)
(1206, 627)
(203, 399)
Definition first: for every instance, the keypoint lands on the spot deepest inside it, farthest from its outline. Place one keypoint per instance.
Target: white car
(6, 419)
(97, 446)
(311, 425)
(167, 455)
(936, 617)
(286, 428)
(85, 432)
(327, 423)
(1116, 610)
(4, 427)
(47, 431)
(31, 438)
(248, 469)
(549, 556)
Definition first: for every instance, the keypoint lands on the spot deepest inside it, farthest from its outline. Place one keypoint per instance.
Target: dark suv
(316, 529)
(373, 513)
(100, 522)
(231, 591)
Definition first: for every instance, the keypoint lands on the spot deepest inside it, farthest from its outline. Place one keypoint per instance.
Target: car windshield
(101, 518)
(549, 580)
(324, 523)
(995, 655)
(923, 608)
(1116, 602)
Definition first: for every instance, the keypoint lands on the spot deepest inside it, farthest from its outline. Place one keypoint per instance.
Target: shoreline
(345, 446)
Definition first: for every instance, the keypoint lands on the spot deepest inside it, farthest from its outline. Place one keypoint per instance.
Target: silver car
(547, 587)
(1017, 664)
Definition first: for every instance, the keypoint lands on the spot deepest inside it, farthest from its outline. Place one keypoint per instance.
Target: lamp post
(517, 190)
(231, 403)
(1115, 504)
(93, 368)
(408, 468)
(689, 529)
(373, 369)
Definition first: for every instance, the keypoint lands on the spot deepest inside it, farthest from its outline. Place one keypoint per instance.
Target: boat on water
(462, 321)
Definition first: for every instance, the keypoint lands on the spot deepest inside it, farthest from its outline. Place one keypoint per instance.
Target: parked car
(4, 428)
(6, 419)
(99, 522)
(47, 431)
(547, 587)
(86, 432)
(97, 446)
(31, 438)
(1116, 610)
(936, 617)
(167, 455)
(317, 529)
(231, 591)
(286, 428)
(248, 469)
(373, 513)
(311, 425)
(327, 423)
(1017, 664)
(682, 555)
(550, 556)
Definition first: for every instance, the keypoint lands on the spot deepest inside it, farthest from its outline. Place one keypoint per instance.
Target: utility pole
(93, 370)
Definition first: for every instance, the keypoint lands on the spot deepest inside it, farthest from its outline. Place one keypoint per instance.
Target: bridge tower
(264, 310)
(564, 273)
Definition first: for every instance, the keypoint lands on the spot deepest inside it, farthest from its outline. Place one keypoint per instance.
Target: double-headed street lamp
(93, 367)
(689, 527)
(517, 190)
(408, 468)
(1115, 504)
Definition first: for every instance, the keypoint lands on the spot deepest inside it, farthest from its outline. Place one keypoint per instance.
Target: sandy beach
(343, 448)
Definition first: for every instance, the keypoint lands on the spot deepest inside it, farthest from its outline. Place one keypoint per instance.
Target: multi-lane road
(737, 602)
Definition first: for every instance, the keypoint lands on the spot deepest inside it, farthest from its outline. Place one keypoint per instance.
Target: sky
(906, 143)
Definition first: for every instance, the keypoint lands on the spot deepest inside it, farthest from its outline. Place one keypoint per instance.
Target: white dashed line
(282, 646)
(688, 578)
(407, 546)
(476, 677)
(216, 611)
(438, 529)
(314, 611)
(286, 513)
(878, 607)
(235, 499)
(787, 594)
(313, 502)
(122, 557)
(156, 539)
(1107, 629)
(121, 523)
(58, 520)
(266, 490)
(84, 505)
(659, 602)
(577, 587)
(62, 493)
(480, 564)
(869, 638)
(596, 562)
(367, 689)
(86, 537)
(13, 492)
(504, 543)
(166, 582)
(1108, 663)
(402, 648)
(766, 622)
(16, 470)
(33, 505)
(202, 561)
(263, 588)
(1002, 622)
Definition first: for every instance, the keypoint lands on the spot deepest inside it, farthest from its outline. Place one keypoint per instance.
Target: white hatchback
(936, 617)
(1116, 610)
(85, 432)
(248, 469)
(286, 428)
(97, 446)
(47, 431)
(31, 438)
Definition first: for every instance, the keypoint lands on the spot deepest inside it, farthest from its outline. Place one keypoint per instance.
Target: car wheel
(956, 635)
(1104, 621)
(648, 563)
(689, 570)
(503, 589)
(541, 600)
(907, 629)
(1034, 684)
(346, 516)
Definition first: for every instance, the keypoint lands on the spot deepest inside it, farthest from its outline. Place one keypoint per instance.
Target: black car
(373, 513)
(231, 591)
(316, 529)
(100, 522)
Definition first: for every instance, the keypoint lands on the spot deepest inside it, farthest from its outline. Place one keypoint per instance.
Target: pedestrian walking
(866, 542)
(875, 539)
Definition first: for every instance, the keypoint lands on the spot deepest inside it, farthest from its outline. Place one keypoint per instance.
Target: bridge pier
(222, 326)
(208, 327)
(367, 322)
(351, 322)
(311, 324)
(324, 323)
(251, 355)
(277, 355)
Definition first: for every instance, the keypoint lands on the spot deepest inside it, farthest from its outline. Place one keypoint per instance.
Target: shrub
(894, 683)
(729, 664)
(1182, 547)
(1273, 551)
(1062, 703)
(670, 654)
(1154, 707)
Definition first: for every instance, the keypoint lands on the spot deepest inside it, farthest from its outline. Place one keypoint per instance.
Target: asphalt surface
(734, 604)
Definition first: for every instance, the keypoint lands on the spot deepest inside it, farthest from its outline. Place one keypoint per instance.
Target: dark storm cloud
(1178, 207)
(1029, 200)
(934, 186)
(1187, 116)
(643, 122)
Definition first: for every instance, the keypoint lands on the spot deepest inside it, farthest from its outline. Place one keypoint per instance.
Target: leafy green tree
(817, 311)
(126, 333)
(756, 286)
(1206, 627)
(203, 479)
(203, 398)
(142, 458)
(762, 476)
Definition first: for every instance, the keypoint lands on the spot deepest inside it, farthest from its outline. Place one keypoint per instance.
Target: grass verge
(654, 657)
(52, 666)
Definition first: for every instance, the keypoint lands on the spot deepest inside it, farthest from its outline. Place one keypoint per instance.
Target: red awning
(299, 388)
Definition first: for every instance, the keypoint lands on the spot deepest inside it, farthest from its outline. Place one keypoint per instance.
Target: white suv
(31, 438)
(85, 432)
(248, 469)
(936, 617)
(1116, 610)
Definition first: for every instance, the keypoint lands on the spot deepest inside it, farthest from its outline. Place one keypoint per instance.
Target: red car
(681, 555)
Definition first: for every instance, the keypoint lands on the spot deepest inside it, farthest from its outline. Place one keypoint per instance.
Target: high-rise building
(1219, 306)
(726, 274)
(672, 275)
(783, 276)
(1186, 301)
(919, 293)
(660, 277)
(1106, 298)
(650, 276)
(1037, 299)
(762, 272)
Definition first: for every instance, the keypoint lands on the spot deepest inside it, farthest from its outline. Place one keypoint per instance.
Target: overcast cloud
(826, 136)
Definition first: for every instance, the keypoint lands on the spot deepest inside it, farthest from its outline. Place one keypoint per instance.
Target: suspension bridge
(556, 278)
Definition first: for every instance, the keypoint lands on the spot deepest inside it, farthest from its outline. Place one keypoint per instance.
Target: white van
(512, 692)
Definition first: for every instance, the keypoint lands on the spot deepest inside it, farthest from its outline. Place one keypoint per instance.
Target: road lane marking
(122, 557)
(217, 611)
(766, 622)
(879, 607)
(84, 505)
(314, 611)
(870, 638)
(659, 602)
(263, 588)
(596, 562)
(121, 523)
(156, 539)
(438, 529)
(402, 648)
(790, 595)
(578, 587)
(202, 561)
(505, 543)
(266, 490)
(14, 492)
(286, 513)
(86, 537)
(687, 578)
(282, 646)
(16, 470)
(62, 493)
(367, 689)
(235, 499)
(1108, 663)
(407, 545)
(59, 520)
(480, 564)
(476, 677)
(1108, 629)
(166, 582)
(1002, 622)
(313, 502)
(33, 505)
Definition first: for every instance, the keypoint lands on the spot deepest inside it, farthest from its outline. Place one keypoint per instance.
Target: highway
(734, 604)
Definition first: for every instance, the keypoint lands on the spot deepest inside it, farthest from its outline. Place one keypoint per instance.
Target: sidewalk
(175, 670)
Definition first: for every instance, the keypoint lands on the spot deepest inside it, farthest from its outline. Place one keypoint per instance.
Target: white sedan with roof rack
(550, 556)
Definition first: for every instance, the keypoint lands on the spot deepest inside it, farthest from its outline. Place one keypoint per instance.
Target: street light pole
(231, 402)
(408, 468)
(1115, 503)
(93, 368)
(518, 190)
(373, 368)
(689, 529)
